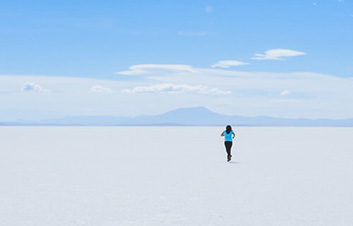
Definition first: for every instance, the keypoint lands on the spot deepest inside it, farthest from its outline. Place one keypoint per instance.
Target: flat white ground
(112, 176)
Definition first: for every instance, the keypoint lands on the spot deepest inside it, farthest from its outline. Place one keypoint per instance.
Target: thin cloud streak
(228, 63)
(294, 94)
(193, 33)
(277, 54)
(142, 69)
(175, 88)
(285, 92)
(100, 89)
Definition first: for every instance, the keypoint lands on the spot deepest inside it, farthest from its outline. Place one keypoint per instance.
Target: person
(228, 135)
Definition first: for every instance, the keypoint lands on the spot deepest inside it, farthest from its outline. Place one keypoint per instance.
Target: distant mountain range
(197, 116)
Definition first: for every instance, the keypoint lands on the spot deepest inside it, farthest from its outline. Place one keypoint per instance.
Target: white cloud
(229, 63)
(174, 88)
(285, 93)
(142, 69)
(100, 89)
(304, 94)
(33, 87)
(277, 54)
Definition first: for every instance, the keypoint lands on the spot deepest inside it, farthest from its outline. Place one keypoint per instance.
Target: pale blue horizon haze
(286, 59)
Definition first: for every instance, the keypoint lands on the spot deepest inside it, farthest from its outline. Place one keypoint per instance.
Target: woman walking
(228, 135)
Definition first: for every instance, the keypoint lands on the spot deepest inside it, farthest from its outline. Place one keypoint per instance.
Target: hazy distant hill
(197, 116)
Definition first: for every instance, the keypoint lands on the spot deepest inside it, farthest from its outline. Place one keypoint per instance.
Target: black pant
(228, 145)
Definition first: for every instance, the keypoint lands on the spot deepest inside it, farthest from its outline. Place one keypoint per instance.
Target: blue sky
(276, 58)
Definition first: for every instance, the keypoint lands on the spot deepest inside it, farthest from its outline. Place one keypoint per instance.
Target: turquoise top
(228, 136)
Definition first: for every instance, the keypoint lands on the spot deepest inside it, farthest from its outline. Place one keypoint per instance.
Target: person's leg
(228, 149)
(226, 145)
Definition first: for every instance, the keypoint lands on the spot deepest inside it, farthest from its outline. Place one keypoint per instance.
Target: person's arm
(233, 135)
(222, 134)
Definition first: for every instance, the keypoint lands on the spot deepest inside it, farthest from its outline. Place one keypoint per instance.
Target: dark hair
(228, 129)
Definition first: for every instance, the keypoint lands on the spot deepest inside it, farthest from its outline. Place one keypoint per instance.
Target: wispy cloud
(291, 94)
(228, 63)
(142, 69)
(100, 89)
(175, 88)
(193, 33)
(209, 9)
(285, 93)
(33, 87)
(277, 54)
(285, 101)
